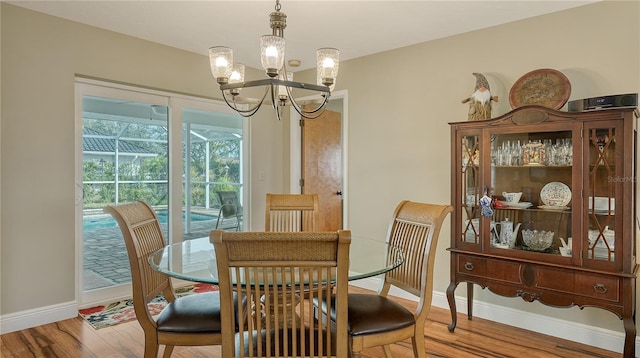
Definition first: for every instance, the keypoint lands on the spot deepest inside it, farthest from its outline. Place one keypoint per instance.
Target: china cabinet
(545, 208)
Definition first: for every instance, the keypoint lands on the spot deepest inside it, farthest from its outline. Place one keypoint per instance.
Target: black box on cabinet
(604, 102)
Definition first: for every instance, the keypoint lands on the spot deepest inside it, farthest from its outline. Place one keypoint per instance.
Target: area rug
(122, 311)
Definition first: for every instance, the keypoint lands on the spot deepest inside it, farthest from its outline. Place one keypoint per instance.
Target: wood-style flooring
(477, 338)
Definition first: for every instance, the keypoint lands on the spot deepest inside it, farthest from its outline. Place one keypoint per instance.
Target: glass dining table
(194, 260)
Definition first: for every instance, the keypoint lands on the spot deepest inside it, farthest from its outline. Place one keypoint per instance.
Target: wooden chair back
(292, 212)
(193, 320)
(142, 236)
(415, 228)
(272, 269)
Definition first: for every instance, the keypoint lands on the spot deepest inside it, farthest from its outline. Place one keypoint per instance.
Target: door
(124, 157)
(322, 166)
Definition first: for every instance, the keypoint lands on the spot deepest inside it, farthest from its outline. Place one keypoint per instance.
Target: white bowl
(512, 197)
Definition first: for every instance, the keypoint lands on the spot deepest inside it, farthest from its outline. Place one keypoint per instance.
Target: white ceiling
(358, 28)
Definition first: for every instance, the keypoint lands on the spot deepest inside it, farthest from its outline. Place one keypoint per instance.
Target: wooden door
(322, 166)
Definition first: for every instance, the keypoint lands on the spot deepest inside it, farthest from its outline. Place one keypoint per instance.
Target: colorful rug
(122, 311)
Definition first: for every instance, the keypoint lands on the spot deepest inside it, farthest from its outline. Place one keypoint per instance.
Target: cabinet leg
(629, 337)
(469, 301)
(452, 305)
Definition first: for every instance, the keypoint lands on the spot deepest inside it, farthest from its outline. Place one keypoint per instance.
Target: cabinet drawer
(495, 270)
(505, 271)
(581, 284)
(470, 265)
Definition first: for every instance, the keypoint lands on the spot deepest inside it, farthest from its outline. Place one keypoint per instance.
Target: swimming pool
(94, 222)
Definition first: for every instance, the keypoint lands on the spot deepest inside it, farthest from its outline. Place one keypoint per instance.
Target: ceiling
(358, 28)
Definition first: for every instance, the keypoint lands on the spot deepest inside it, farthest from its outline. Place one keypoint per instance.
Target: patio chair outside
(231, 211)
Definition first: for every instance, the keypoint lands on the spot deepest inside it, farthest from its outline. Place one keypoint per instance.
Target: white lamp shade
(221, 60)
(328, 60)
(237, 73)
(272, 53)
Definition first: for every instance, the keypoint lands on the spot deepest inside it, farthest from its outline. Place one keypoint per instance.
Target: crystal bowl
(537, 240)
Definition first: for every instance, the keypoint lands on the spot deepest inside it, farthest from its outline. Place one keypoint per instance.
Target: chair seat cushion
(198, 313)
(372, 314)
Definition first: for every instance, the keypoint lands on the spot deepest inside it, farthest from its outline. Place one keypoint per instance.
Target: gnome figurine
(480, 99)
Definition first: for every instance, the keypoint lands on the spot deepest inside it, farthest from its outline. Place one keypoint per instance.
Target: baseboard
(31, 318)
(576, 332)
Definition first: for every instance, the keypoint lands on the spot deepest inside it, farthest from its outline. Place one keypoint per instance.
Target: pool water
(94, 222)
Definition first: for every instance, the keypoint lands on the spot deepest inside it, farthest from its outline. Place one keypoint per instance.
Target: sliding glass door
(174, 153)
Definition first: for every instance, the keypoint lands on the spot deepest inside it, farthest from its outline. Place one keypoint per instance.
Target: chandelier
(279, 81)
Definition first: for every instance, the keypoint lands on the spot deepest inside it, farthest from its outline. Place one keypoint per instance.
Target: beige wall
(399, 143)
(40, 56)
(398, 136)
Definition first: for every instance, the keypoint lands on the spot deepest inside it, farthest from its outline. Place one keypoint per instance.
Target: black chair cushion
(371, 314)
(197, 313)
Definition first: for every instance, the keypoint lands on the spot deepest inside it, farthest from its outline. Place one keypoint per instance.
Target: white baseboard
(31, 318)
(576, 332)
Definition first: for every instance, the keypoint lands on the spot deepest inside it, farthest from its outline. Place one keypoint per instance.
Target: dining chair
(378, 320)
(193, 320)
(230, 209)
(292, 212)
(272, 268)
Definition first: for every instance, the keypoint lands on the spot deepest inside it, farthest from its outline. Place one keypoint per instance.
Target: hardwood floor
(478, 338)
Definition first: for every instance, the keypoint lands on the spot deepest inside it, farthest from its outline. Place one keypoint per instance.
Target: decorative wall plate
(555, 194)
(544, 87)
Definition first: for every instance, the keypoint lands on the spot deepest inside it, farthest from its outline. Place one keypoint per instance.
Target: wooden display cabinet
(577, 175)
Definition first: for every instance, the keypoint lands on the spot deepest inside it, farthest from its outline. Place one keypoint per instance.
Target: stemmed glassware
(559, 153)
(512, 153)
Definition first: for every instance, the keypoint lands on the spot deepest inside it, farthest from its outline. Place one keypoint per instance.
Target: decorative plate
(520, 205)
(544, 87)
(555, 194)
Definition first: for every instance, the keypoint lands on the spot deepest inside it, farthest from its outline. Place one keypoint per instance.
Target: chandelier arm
(277, 108)
(310, 114)
(275, 82)
(244, 112)
(274, 104)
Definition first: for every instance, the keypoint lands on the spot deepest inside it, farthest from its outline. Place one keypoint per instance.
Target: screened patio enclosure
(125, 157)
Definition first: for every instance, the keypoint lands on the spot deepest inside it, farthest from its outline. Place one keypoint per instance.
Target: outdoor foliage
(144, 175)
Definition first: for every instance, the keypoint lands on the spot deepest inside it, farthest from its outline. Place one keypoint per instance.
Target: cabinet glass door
(531, 183)
(471, 189)
(602, 183)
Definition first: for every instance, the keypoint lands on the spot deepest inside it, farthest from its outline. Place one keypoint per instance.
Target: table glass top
(194, 260)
